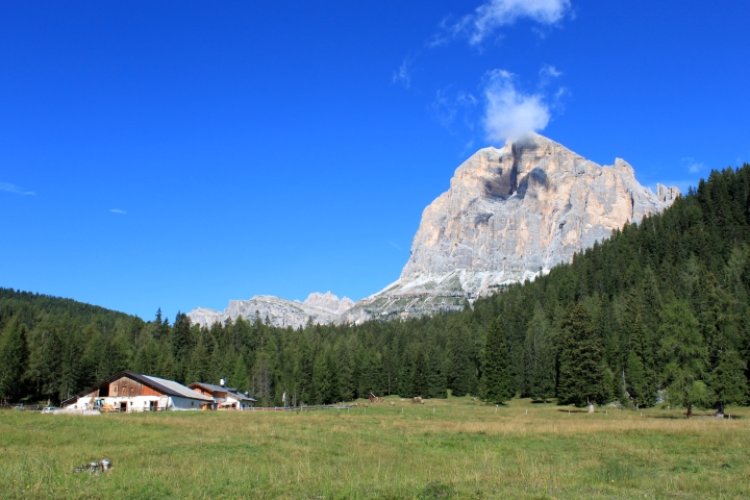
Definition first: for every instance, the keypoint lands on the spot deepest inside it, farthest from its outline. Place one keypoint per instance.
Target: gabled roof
(231, 391)
(242, 397)
(210, 387)
(164, 386)
(172, 388)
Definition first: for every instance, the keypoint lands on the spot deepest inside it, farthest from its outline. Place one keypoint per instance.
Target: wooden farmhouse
(134, 392)
(225, 398)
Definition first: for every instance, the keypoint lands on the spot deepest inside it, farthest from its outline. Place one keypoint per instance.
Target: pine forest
(657, 313)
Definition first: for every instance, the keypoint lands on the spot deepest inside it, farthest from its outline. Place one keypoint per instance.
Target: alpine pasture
(451, 448)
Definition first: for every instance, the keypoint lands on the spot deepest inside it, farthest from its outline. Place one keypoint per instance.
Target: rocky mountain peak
(667, 194)
(328, 302)
(509, 215)
(319, 308)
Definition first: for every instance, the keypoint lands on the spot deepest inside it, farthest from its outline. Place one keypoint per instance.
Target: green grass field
(455, 448)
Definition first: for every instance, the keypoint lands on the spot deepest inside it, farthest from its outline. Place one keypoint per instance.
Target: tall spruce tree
(684, 355)
(539, 357)
(420, 385)
(496, 382)
(581, 369)
(436, 380)
(13, 356)
(461, 372)
(728, 381)
(640, 376)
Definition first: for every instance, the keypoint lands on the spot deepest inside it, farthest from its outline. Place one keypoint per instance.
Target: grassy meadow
(455, 448)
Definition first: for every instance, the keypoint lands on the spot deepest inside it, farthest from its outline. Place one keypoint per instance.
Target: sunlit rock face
(318, 308)
(511, 214)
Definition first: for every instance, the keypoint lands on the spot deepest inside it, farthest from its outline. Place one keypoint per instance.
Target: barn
(128, 392)
(225, 398)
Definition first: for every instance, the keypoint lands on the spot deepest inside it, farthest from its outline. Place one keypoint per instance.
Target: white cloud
(451, 106)
(117, 211)
(495, 14)
(692, 165)
(402, 75)
(7, 187)
(510, 114)
(547, 73)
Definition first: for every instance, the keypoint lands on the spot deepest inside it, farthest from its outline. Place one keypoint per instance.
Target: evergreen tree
(198, 368)
(95, 358)
(325, 379)
(119, 353)
(639, 371)
(13, 355)
(580, 360)
(496, 381)
(45, 352)
(240, 377)
(306, 368)
(539, 357)
(72, 365)
(462, 369)
(684, 354)
(262, 379)
(406, 374)
(728, 381)
(167, 366)
(436, 380)
(345, 376)
(183, 344)
(420, 383)
(638, 382)
(146, 359)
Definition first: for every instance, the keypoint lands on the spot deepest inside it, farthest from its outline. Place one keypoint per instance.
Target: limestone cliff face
(511, 214)
(318, 308)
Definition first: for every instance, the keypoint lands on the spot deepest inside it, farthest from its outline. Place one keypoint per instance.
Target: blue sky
(180, 154)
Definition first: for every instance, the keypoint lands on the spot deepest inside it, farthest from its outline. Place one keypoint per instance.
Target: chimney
(222, 382)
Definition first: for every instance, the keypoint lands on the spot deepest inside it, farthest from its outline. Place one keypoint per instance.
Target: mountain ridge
(510, 214)
(318, 307)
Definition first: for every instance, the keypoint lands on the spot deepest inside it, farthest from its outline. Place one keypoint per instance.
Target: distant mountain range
(510, 215)
(320, 308)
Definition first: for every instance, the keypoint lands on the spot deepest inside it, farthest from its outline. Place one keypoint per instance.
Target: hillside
(50, 347)
(658, 311)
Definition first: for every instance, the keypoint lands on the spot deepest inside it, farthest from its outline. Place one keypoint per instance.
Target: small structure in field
(95, 467)
(374, 399)
(225, 398)
(128, 392)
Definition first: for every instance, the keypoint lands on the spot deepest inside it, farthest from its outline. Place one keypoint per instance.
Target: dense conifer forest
(658, 312)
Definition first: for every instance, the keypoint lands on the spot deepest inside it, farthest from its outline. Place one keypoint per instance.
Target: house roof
(166, 387)
(213, 388)
(173, 388)
(242, 397)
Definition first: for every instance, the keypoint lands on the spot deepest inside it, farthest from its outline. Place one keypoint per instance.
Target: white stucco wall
(137, 403)
(178, 403)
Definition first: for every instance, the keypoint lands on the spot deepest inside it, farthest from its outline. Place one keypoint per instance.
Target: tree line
(657, 312)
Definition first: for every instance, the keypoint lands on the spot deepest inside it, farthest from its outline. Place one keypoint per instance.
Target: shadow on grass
(437, 489)
(697, 416)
